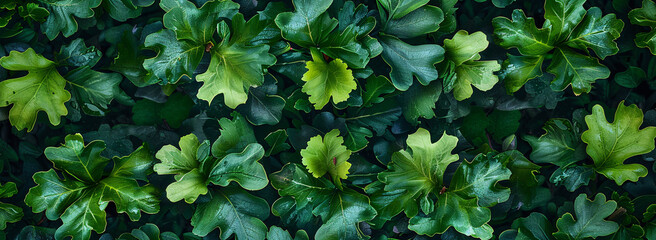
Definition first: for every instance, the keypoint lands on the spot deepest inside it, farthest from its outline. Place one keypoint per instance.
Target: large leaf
(327, 155)
(42, 89)
(326, 80)
(590, 219)
(517, 70)
(92, 91)
(63, 13)
(408, 61)
(419, 101)
(80, 198)
(453, 211)
(559, 145)
(198, 25)
(479, 179)
(242, 168)
(610, 144)
(308, 26)
(341, 213)
(175, 59)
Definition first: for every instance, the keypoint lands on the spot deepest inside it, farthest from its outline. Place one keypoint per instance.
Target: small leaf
(327, 155)
(326, 80)
(522, 33)
(576, 69)
(407, 61)
(645, 16)
(589, 221)
(597, 33)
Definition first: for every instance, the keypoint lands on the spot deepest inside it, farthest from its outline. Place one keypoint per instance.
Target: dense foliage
(327, 119)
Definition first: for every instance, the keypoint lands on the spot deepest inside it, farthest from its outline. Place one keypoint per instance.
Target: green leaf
(234, 68)
(589, 221)
(80, 198)
(463, 50)
(504, 123)
(190, 183)
(631, 78)
(535, 226)
(419, 22)
(176, 109)
(84, 163)
(78, 54)
(263, 106)
(235, 212)
(121, 10)
(129, 62)
(235, 136)
(341, 214)
(523, 34)
(420, 169)
(597, 33)
(645, 16)
(198, 25)
(576, 69)
(327, 155)
(42, 89)
(564, 16)
(419, 101)
(326, 80)
(242, 168)
(610, 144)
(308, 25)
(479, 179)
(464, 215)
(572, 177)
(559, 145)
(375, 88)
(517, 70)
(148, 231)
(480, 74)
(294, 180)
(399, 8)
(92, 91)
(526, 190)
(277, 233)
(407, 61)
(379, 116)
(9, 213)
(174, 59)
(277, 141)
(63, 13)
(34, 12)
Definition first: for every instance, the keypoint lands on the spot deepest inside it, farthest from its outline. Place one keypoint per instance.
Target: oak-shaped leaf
(610, 144)
(645, 16)
(81, 196)
(590, 219)
(42, 89)
(9, 213)
(327, 155)
(462, 55)
(326, 80)
(63, 13)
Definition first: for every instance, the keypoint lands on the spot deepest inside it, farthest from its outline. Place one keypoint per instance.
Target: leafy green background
(327, 119)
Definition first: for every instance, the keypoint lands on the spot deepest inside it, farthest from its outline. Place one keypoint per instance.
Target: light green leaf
(327, 155)
(575, 69)
(42, 89)
(326, 80)
(407, 61)
(589, 221)
(523, 34)
(235, 212)
(480, 74)
(464, 47)
(564, 15)
(234, 69)
(63, 13)
(190, 183)
(597, 33)
(420, 169)
(610, 144)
